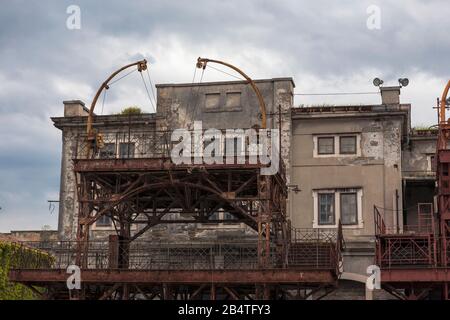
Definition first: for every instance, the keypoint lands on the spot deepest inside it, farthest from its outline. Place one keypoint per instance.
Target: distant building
(30, 235)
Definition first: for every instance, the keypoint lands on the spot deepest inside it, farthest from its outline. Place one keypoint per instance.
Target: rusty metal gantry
(140, 191)
(144, 188)
(415, 261)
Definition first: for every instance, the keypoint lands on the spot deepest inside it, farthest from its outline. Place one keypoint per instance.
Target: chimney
(75, 108)
(390, 95)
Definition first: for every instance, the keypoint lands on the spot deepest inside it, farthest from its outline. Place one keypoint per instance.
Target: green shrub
(13, 255)
(131, 110)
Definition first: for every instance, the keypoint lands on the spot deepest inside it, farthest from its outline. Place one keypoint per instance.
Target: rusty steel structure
(415, 261)
(143, 188)
(140, 190)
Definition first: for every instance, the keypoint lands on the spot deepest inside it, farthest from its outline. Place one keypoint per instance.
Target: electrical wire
(151, 86)
(124, 76)
(190, 94)
(103, 101)
(148, 93)
(198, 89)
(334, 93)
(224, 72)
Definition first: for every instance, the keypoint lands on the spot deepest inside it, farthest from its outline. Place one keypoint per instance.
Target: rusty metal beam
(415, 275)
(152, 164)
(237, 277)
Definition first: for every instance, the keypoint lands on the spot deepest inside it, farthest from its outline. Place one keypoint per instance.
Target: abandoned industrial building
(356, 187)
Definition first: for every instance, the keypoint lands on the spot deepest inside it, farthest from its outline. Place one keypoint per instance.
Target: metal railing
(424, 227)
(410, 245)
(144, 144)
(150, 255)
(407, 251)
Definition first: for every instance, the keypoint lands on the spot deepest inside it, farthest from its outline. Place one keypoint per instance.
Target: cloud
(324, 45)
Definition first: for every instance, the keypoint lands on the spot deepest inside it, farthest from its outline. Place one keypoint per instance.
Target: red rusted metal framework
(415, 261)
(141, 187)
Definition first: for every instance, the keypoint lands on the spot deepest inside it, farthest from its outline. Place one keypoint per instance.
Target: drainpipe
(397, 218)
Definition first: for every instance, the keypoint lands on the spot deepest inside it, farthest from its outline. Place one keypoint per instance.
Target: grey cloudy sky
(324, 45)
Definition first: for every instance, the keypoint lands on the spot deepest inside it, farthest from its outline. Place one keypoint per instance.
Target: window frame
(340, 208)
(326, 137)
(348, 136)
(333, 201)
(337, 207)
(337, 145)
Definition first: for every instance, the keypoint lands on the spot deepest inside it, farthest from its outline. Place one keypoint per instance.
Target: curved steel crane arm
(201, 64)
(443, 104)
(141, 65)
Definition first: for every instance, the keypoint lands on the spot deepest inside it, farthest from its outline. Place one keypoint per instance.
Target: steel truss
(143, 189)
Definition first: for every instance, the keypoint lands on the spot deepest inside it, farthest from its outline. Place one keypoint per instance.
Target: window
(325, 145)
(338, 145)
(212, 100)
(103, 221)
(431, 163)
(126, 150)
(347, 144)
(349, 208)
(233, 100)
(108, 151)
(326, 208)
(334, 205)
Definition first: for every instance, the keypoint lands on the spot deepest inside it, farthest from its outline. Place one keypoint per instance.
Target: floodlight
(377, 82)
(403, 82)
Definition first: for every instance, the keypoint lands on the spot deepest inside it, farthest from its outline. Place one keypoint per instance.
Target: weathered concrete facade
(72, 125)
(227, 105)
(373, 173)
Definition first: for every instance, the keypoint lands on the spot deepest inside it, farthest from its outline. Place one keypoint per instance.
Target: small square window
(347, 145)
(326, 209)
(233, 100)
(349, 208)
(325, 145)
(212, 100)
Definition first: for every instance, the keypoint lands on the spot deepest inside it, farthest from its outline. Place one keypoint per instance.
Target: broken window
(325, 145)
(326, 208)
(126, 150)
(349, 208)
(108, 151)
(347, 144)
